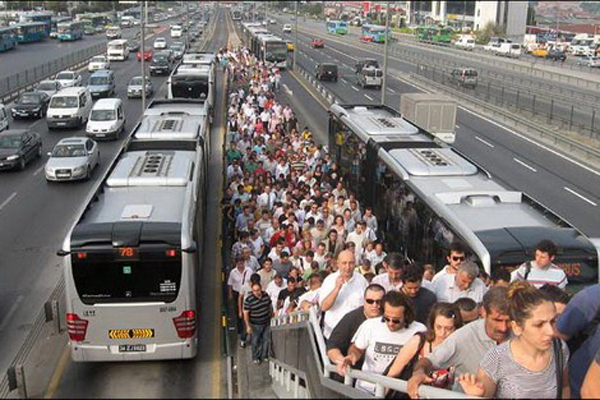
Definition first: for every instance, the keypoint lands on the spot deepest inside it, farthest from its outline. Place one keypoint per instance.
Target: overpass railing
(300, 368)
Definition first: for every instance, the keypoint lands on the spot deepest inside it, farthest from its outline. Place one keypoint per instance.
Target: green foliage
(57, 6)
(490, 29)
(313, 8)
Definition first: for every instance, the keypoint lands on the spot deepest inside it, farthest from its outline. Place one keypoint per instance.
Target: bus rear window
(99, 280)
(189, 87)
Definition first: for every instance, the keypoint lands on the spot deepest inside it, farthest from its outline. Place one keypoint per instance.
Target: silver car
(134, 89)
(48, 87)
(72, 159)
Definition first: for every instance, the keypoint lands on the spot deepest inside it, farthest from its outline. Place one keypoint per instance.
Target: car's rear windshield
(329, 67)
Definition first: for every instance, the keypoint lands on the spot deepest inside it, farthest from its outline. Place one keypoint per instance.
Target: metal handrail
(382, 383)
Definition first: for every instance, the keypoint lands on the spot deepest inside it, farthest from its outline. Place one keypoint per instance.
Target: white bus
(131, 260)
(117, 50)
(193, 81)
(113, 32)
(176, 31)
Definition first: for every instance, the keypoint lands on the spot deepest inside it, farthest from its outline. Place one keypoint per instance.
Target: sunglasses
(371, 301)
(393, 321)
(458, 258)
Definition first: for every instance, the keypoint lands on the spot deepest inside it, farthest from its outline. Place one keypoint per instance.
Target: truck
(581, 44)
(465, 42)
(433, 113)
(530, 42)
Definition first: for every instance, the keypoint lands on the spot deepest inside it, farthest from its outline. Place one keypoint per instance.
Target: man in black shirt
(422, 298)
(257, 315)
(293, 287)
(341, 337)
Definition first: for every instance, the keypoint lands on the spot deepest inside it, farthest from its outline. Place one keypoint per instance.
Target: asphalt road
(35, 216)
(569, 189)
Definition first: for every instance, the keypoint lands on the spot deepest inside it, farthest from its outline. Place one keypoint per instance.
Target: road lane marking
(5, 203)
(287, 89)
(582, 197)
(358, 90)
(37, 171)
(525, 165)
(343, 80)
(484, 142)
(58, 373)
(369, 97)
(392, 90)
(457, 126)
(10, 313)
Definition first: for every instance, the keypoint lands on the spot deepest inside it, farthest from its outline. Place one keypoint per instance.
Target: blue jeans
(261, 340)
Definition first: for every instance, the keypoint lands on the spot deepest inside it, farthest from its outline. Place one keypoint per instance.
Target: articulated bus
(70, 31)
(31, 32)
(374, 33)
(8, 38)
(427, 195)
(193, 81)
(236, 15)
(131, 260)
(45, 17)
(338, 27)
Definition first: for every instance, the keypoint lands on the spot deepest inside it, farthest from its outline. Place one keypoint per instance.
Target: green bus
(436, 34)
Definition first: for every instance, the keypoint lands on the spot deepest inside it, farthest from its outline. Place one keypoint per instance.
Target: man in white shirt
(456, 255)
(238, 277)
(342, 291)
(249, 260)
(274, 288)
(392, 278)
(311, 297)
(380, 339)
(321, 255)
(464, 283)
(542, 270)
(266, 199)
(358, 237)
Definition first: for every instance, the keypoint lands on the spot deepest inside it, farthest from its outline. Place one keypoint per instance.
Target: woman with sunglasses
(444, 318)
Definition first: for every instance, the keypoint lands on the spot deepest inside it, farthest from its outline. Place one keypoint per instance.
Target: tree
(490, 29)
(57, 6)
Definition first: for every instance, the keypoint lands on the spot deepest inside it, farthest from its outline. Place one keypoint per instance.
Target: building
(471, 14)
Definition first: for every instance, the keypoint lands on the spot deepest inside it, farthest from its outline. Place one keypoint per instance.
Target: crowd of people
(301, 240)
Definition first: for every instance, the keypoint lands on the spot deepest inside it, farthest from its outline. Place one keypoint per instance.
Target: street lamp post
(385, 54)
(143, 47)
(295, 32)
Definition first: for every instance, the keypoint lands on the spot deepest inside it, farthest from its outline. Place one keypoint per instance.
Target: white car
(589, 61)
(272, 21)
(72, 159)
(97, 63)
(287, 28)
(48, 87)
(160, 43)
(68, 79)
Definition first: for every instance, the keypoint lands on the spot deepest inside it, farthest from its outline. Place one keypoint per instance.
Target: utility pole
(295, 32)
(143, 47)
(385, 55)
(187, 27)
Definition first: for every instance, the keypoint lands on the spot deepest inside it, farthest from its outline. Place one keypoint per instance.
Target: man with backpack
(541, 271)
(578, 325)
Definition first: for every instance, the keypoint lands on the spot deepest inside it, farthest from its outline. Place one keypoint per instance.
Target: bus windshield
(276, 51)
(99, 279)
(190, 87)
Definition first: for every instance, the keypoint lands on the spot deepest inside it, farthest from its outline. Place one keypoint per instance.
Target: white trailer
(433, 113)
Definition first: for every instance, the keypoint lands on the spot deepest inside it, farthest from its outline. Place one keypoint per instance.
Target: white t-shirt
(381, 345)
(538, 277)
(384, 280)
(446, 290)
(273, 291)
(350, 296)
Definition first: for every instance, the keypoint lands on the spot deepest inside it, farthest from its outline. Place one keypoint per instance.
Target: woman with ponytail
(533, 363)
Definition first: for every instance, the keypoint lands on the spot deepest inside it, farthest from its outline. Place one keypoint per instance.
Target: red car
(317, 43)
(147, 55)
(366, 38)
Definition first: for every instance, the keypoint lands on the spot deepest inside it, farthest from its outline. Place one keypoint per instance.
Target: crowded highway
(247, 200)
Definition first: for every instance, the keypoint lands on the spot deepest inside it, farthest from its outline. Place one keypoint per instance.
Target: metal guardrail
(291, 327)
(507, 116)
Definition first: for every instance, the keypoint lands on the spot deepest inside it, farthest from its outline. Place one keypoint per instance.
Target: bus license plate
(132, 348)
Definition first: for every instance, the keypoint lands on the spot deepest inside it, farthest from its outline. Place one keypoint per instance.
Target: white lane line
(358, 90)
(582, 197)
(368, 97)
(392, 90)
(343, 80)
(4, 204)
(533, 142)
(37, 171)
(10, 313)
(457, 126)
(525, 165)
(484, 142)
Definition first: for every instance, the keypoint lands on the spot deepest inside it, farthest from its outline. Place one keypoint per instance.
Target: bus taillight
(77, 327)
(171, 253)
(185, 324)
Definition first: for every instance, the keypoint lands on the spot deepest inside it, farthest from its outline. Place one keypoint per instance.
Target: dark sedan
(556, 55)
(31, 104)
(18, 147)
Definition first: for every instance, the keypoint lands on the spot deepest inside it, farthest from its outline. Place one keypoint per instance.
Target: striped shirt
(538, 277)
(260, 309)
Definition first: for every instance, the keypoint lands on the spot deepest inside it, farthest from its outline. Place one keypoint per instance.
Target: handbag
(559, 366)
(406, 372)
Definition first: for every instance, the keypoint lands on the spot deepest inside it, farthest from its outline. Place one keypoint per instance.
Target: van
(370, 76)
(365, 62)
(327, 71)
(102, 83)
(117, 50)
(69, 108)
(465, 77)
(106, 120)
(465, 43)
(512, 50)
(3, 118)
(287, 28)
